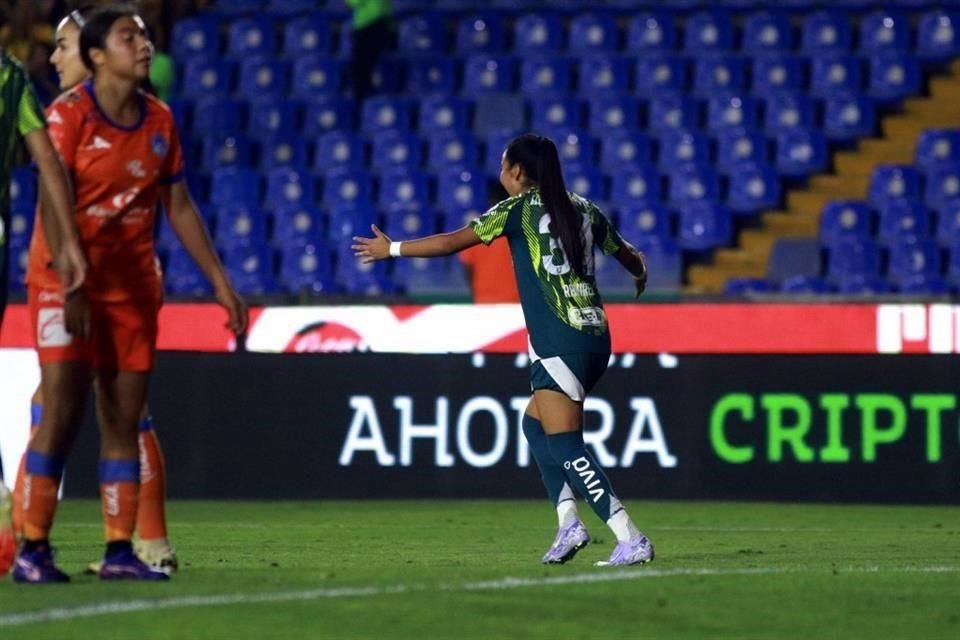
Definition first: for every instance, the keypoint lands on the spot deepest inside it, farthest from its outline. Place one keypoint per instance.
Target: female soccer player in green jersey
(551, 234)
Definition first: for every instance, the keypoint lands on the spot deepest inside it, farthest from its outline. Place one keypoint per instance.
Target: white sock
(622, 526)
(567, 512)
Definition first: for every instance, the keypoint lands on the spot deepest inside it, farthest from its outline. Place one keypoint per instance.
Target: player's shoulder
(72, 102)
(582, 204)
(156, 108)
(10, 63)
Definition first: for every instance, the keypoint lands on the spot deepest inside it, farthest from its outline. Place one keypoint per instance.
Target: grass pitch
(471, 570)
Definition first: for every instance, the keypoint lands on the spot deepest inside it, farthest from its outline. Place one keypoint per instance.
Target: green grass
(723, 570)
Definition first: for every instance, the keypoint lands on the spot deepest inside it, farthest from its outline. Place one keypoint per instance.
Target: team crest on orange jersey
(159, 145)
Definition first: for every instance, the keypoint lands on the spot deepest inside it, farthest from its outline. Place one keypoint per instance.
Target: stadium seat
(410, 220)
(656, 73)
(307, 35)
(682, 147)
(23, 189)
(612, 113)
(664, 262)
(328, 114)
(205, 76)
(250, 268)
(194, 37)
(574, 146)
(234, 185)
(431, 277)
(926, 286)
(913, 257)
(845, 219)
(215, 115)
(252, 36)
(937, 146)
(937, 37)
(240, 225)
(383, 113)
(289, 186)
(262, 76)
(553, 113)
(674, 111)
(652, 31)
(452, 149)
(350, 218)
(716, 74)
(740, 146)
(421, 33)
(893, 182)
(593, 32)
(767, 31)
(586, 180)
(708, 31)
(307, 268)
(347, 188)
(226, 150)
(731, 110)
(894, 75)
(801, 151)
(942, 185)
(538, 32)
(486, 73)
(953, 263)
(599, 74)
(339, 150)
(296, 224)
(359, 278)
(439, 113)
(864, 286)
(884, 30)
(495, 143)
(806, 285)
(693, 183)
(948, 223)
(849, 116)
(182, 276)
(395, 148)
(753, 188)
(432, 75)
(316, 75)
(635, 185)
(404, 187)
(270, 115)
(788, 110)
(793, 257)
(625, 148)
(652, 219)
(539, 75)
(461, 190)
(704, 225)
(777, 72)
(826, 30)
(902, 218)
(480, 32)
(745, 287)
(852, 259)
(283, 149)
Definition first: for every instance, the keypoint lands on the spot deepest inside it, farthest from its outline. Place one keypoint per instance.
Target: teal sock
(554, 479)
(583, 473)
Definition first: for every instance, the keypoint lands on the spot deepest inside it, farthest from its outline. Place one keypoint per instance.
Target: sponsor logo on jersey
(159, 145)
(51, 330)
(135, 167)
(50, 296)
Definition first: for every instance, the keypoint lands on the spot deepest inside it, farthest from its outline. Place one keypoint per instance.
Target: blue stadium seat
(480, 32)
(884, 30)
(859, 285)
(404, 188)
(182, 276)
(461, 189)
(574, 146)
(767, 31)
(347, 188)
(307, 35)
(942, 185)
(753, 188)
(432, 75)
(536, 32)
(234, 185)
(913, 257)
(704, 225)
(388, 75)
(842, 220)
(586, 180)
(316, 75)
(23, 189)
(339, 149)
(664, 262)
(599, 74)
(612, 113)
(194, 37)
(551, 113)
(382, 113)
(948, 223)
(683, 147)
(253, 36)
(745, 287)
(594, 32)
(289, 186)
(893, 182)
(625, 147)
(826, 30)
(652, 219)
(937, 37)
(261, 76)
(328, 114)
(708, 31)
(928, 285)
(674, 111)
(406, 221)
(431, 276)
(204, 76)
(350, 218)
(215, 115)
(801, 151)
(937, 146)
(788, 110)
(657, 72)
(894, 75)
(849, 116)
(287, 149)
(358, 278)
(836, 73)
(293, 224)
(485, 73)
(422, 32)
(452, 149)
(852, 258)
(692, 184)
(652, 31)
(182, 109)
(495, 144)
(806, 285)
(438, 113)
(238, 7)
(731, 110)
(250, 268)
(395, 148)
(240, 225)
(270, 115)
(712, 74)
(737, 146)
(901, 218)
(953, 263)
(307, 268)
(793, 257)
(539, 75)
(633, 185)
(776, 72)
(21, 229)
(226, 150)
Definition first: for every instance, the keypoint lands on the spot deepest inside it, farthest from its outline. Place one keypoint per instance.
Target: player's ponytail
(96, 27)
(541, 163)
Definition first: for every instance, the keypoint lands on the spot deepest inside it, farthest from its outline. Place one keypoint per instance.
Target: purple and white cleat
(636, 551)
(125, 565)
(570, 539)
(35, 565)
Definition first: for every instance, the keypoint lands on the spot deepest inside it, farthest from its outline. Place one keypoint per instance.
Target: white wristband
(395, 249)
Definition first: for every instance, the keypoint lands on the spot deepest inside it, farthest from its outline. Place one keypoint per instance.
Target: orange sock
(151, 517)
(41, 481)
(119, 496)
(17, 512)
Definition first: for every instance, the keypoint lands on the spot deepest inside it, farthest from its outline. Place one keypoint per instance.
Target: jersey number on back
(555, 258)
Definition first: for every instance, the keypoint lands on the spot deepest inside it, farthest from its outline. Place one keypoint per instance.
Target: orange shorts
(123, 334)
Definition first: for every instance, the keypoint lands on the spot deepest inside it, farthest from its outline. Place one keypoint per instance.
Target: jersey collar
(88, 85)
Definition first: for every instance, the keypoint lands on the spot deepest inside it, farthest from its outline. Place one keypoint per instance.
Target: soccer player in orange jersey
(123, 152)
(152, 545)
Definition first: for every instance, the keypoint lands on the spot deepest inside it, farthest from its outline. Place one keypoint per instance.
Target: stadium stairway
(849, 180)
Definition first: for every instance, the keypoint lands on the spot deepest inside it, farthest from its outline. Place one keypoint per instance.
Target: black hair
(538, 157)
(96, 28)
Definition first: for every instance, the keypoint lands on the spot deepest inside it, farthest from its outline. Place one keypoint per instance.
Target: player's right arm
(442, 244)
(633, 261)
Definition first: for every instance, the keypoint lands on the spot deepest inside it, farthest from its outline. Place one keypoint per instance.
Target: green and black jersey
(563, 311)
(20, 114)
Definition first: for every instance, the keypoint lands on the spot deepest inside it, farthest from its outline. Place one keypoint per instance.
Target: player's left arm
(442, 244)
(188, 225)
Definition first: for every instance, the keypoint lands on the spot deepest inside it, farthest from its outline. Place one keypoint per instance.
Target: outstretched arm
(380, 247)
(634, 262)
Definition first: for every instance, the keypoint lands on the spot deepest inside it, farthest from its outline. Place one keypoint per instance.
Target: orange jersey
(117, 174)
